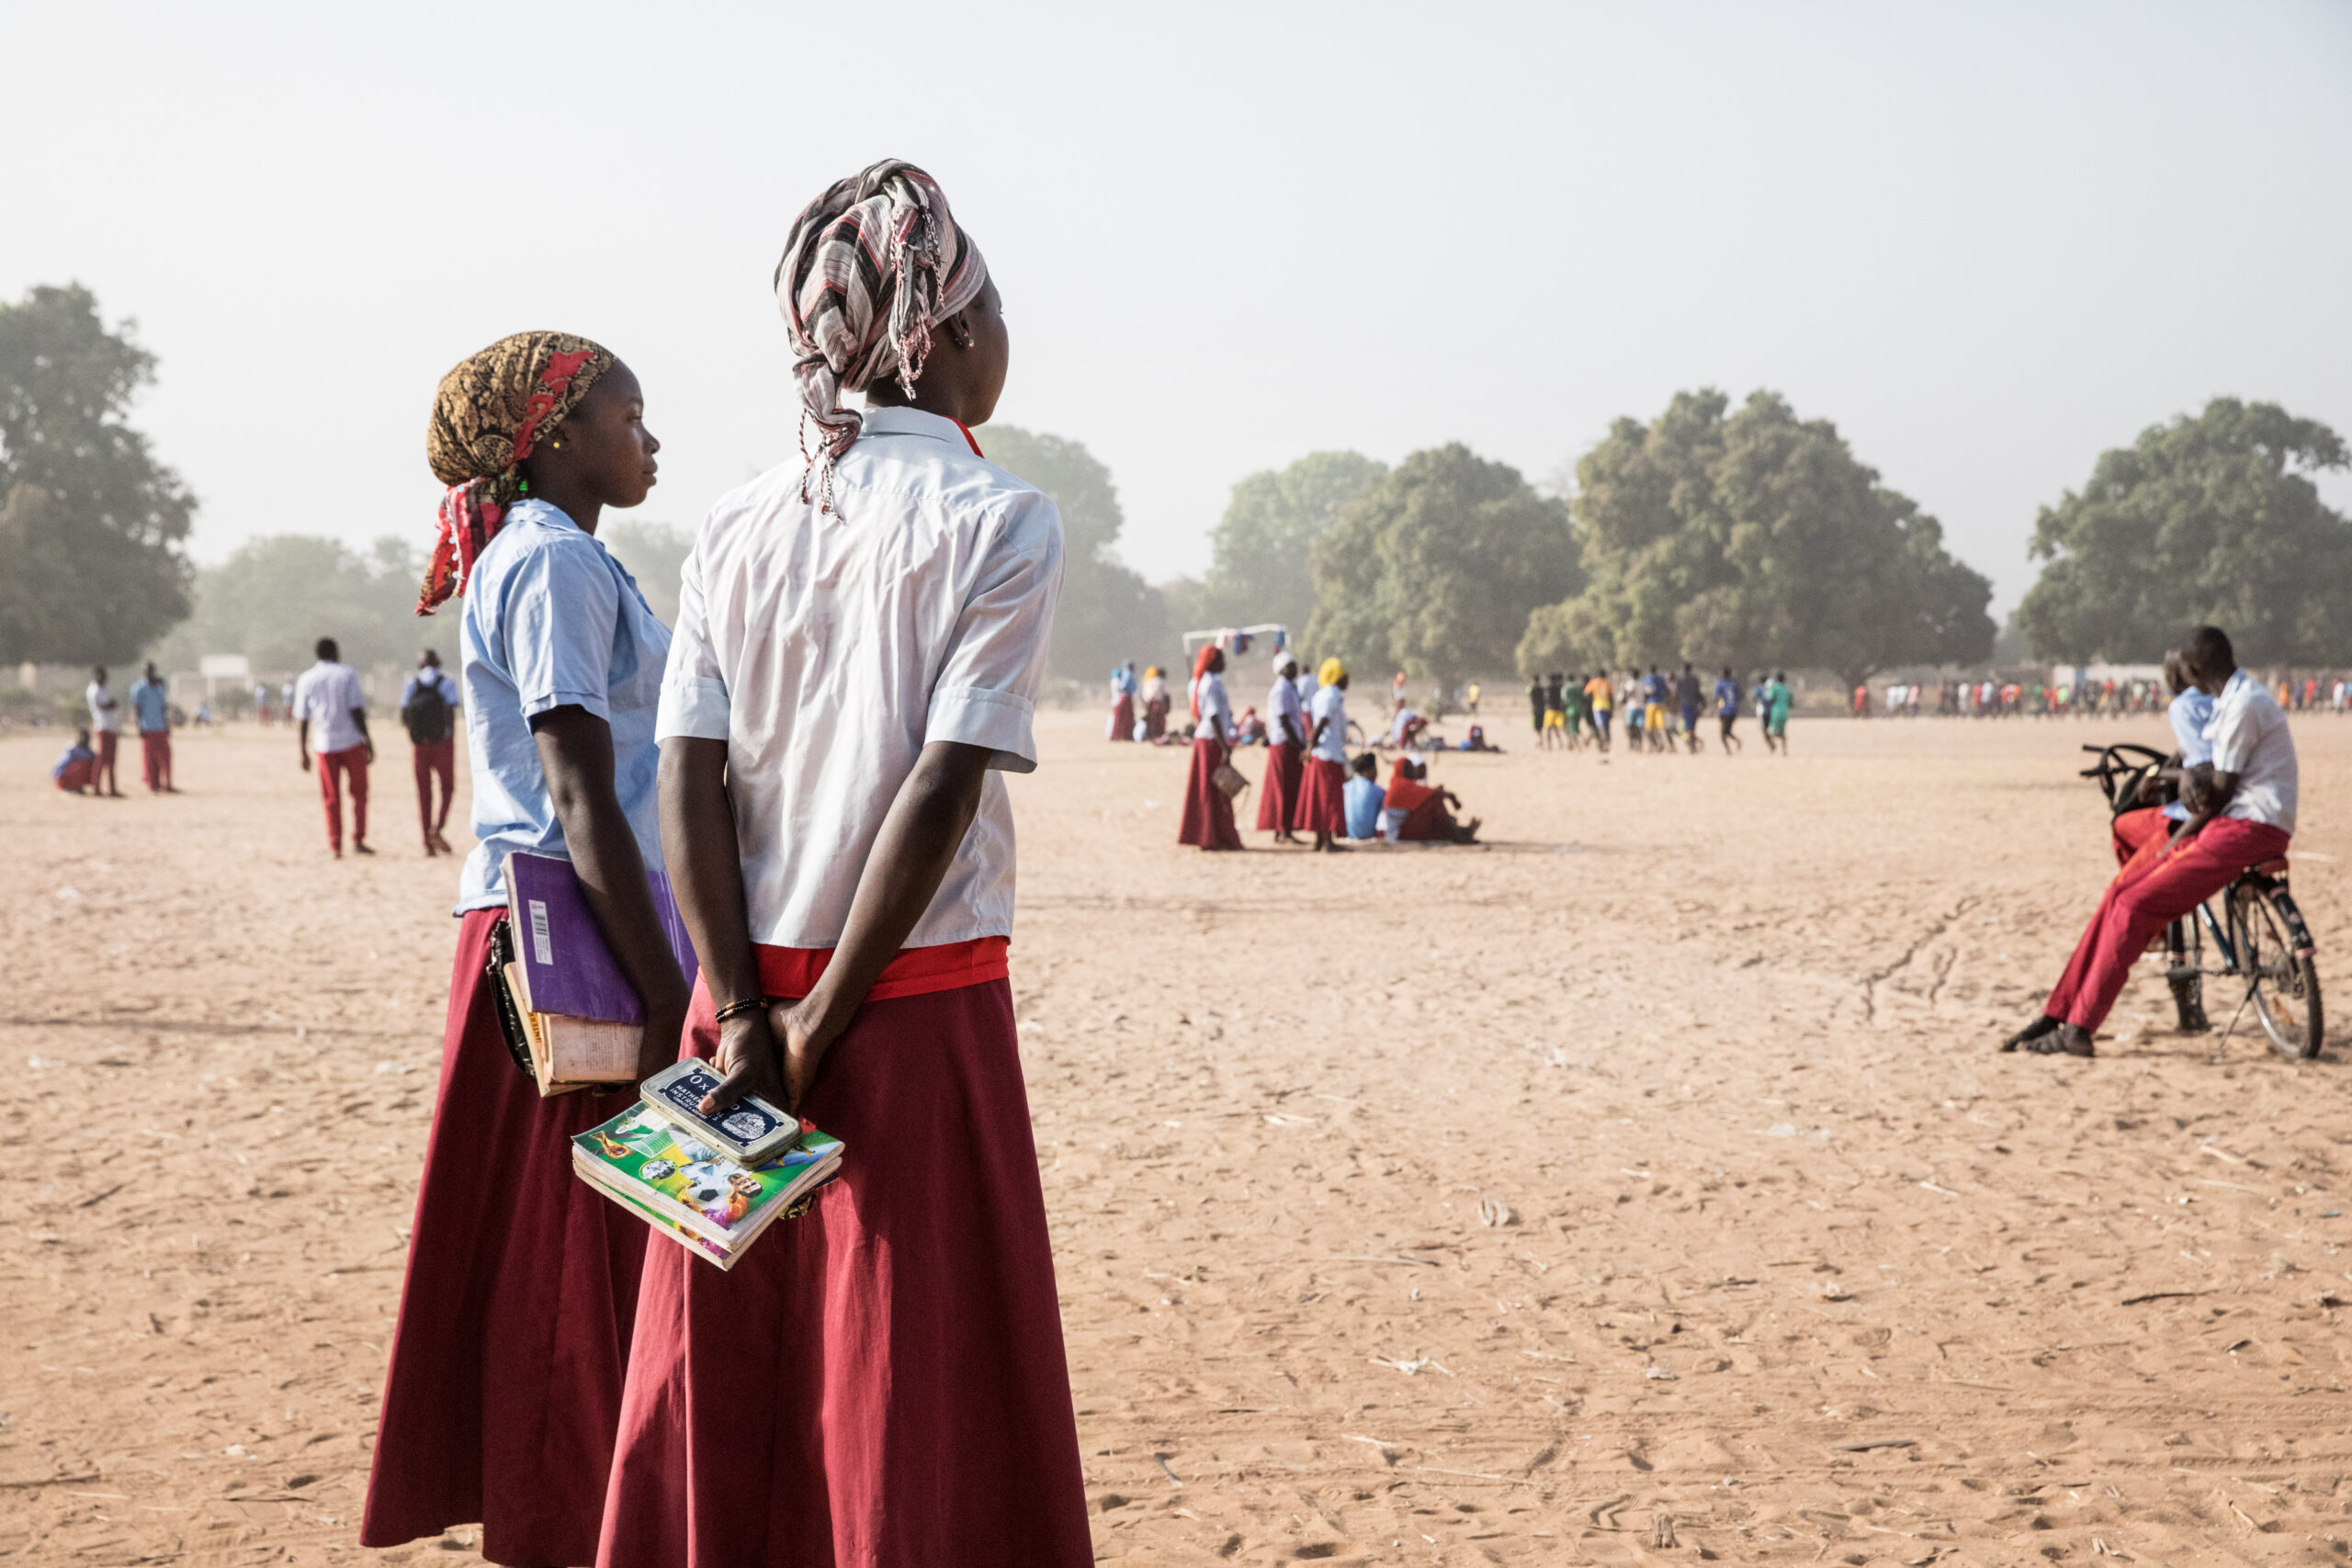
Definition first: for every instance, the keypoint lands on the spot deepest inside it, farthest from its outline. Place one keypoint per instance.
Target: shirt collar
(533, 509)
(892, 419)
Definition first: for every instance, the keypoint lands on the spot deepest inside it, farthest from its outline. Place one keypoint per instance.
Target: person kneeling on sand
(77, 765)
(1418, 809)
(2241, 813)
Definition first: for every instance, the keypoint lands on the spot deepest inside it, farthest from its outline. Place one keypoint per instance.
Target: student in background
(328, 696)
(429, 711)
(1416, 811)
(1470, 698)
(1208, 811)
(1728, 710)
(1776, 714)
(1285, 753)
(504, 1388)
(882, 1381)
(1322, 803)
(1600, 702)
(1122, 725)
(1686, 697)
(1363, 797)
(105, 730)
(261, 703)
(1538, 703)
(1154, 695)
(76, 765)
(151, 699)
(1556, 712)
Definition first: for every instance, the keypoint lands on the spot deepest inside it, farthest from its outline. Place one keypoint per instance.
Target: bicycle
(2259, 938)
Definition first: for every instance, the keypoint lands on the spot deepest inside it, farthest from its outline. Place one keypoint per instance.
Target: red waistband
(791, 972)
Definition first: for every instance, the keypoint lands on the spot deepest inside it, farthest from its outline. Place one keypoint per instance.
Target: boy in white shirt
(328, 696)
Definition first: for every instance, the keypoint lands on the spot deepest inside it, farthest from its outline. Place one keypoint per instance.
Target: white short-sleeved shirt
(2250, 739)
(107, 720)
(1330, 704)
(1281, 703)
(1216, 711)
(552, 620)
(828, 649)
(326, 694)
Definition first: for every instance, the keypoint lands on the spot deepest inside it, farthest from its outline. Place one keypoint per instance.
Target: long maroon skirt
(879, 1382)
(1209, 810)
(1278, 791)
(1122, 719)
(505, 1382)
(1322, 798)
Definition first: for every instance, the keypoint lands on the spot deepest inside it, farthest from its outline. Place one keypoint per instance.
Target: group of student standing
(1660, 712)
(87, 766)
(813, 755)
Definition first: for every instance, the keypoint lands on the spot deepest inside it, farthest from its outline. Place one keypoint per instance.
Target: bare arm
(706, 872)
(926, 824)
(302, 741)
(576, 753)
(2208, 792)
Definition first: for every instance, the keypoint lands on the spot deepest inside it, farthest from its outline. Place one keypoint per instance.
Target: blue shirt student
(2190, 711)
(1726, 698)
(153, 705)
(552, 620)
(436, 678)
(1363, 800)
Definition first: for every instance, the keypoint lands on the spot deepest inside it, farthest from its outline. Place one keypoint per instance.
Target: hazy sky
(1987, 241)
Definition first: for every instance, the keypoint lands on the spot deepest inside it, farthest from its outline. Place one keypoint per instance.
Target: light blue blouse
(552, 619)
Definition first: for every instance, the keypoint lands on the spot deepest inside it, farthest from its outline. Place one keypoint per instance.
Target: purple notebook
(566, 968)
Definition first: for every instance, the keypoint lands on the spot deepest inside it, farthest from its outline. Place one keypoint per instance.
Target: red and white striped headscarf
(870, 265)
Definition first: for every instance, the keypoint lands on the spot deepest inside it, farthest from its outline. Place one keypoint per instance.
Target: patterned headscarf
(871, 264)
(487, 415)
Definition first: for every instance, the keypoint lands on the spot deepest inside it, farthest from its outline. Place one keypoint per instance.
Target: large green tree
(1754, 538)
(1260, 565)
(1435, 567)
(2211, 518)
(1107, 612)
(91, 525)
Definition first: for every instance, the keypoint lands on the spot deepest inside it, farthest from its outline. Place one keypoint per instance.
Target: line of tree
(1745, 536)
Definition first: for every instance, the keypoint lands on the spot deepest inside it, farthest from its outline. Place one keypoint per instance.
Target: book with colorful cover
(694, 1193)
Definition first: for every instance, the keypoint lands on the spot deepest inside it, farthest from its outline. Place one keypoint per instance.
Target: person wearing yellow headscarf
(1322, 796)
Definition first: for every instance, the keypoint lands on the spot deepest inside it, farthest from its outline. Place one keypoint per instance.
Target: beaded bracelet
(734, 1009)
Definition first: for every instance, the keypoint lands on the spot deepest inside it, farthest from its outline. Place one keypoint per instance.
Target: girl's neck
(584, 512)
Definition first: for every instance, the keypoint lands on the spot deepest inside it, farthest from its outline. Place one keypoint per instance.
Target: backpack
(427, 715)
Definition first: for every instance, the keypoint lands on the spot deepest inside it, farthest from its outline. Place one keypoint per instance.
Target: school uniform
(152, 703)
(504, 1388)
(881, 1381)
(1285, 756)
(2250, 737)
(106, 734)
(1322, 796)
(327, 695)
(1208, 811)
(433, 758)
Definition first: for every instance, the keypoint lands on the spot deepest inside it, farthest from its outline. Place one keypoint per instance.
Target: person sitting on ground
(1364, 797)
(1249, 729)
(2241, 814)
(1478, 741)
(1418, 809)
(77, 766)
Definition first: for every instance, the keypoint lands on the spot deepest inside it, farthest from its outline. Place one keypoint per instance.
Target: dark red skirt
(1278, 791)
(1209, 810)
(1322, 798)
(504, 1388)
(1122, 719)
(879, 1382)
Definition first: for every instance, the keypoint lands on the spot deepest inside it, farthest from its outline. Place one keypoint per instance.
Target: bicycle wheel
(2284, 987)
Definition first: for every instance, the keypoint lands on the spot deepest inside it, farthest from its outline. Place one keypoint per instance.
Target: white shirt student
(105, 709)
(827, 650)
(1281, 703)
(325, 694)
(1216, 712)
(1330, 710)
(2251, 739)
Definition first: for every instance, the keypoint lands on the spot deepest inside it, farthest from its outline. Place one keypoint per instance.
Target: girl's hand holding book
(748, 1059)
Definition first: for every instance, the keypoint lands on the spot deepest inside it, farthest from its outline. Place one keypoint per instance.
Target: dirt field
(1791, 1260)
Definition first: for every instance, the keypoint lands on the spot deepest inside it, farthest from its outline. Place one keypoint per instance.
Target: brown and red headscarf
(490, 413)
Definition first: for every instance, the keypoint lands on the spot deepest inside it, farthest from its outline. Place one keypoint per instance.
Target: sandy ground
(1792, 1263)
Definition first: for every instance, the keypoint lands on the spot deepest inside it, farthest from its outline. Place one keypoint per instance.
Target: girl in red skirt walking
(1209, 810)
(1322, 795)
(505, 1380)
(880, 1383)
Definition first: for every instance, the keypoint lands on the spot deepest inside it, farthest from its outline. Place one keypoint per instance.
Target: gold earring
(557, 444)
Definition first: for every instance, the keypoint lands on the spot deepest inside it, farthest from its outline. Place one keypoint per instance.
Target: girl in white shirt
(1209, 810)
(1285, 753)
(859, 644)
(1322, 795)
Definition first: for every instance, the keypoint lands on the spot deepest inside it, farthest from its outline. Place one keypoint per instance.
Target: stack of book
(711, 1184)
(581, 1020)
